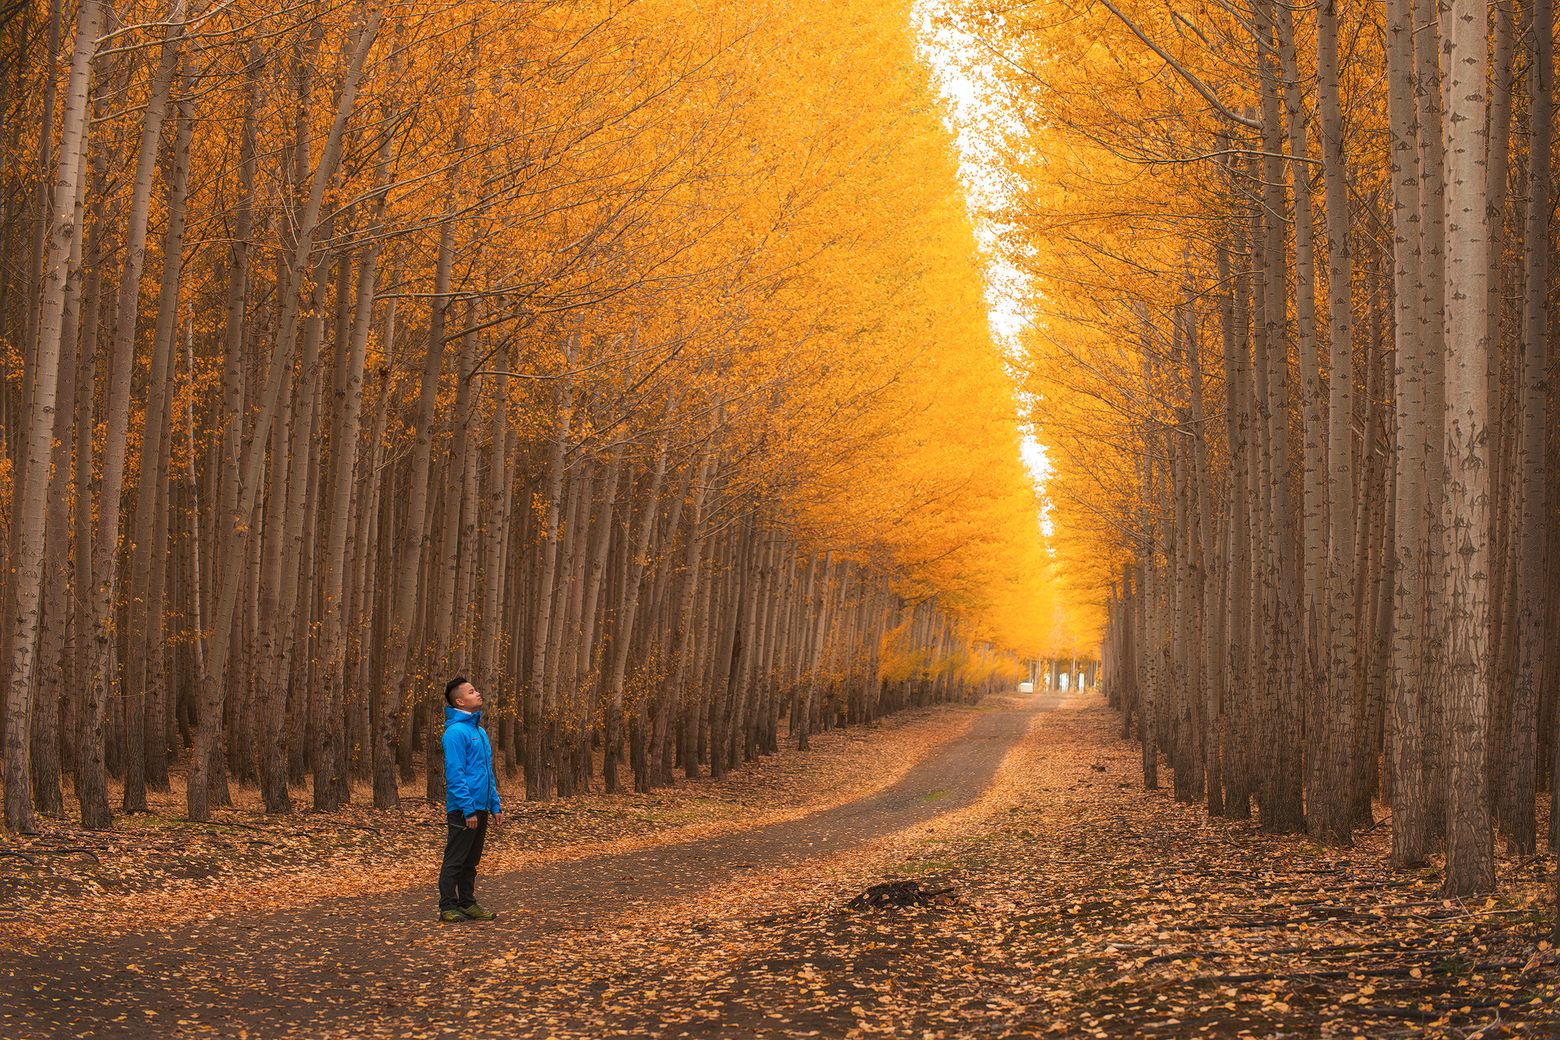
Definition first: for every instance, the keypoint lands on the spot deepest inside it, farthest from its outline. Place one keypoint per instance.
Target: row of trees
(1294, 370)
(630, 358)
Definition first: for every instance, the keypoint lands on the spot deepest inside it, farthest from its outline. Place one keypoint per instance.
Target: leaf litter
(1081, 906)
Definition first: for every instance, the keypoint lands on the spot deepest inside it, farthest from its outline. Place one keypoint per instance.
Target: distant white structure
(1026, 687)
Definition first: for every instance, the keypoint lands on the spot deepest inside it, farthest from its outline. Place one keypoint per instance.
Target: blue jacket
(469, 783)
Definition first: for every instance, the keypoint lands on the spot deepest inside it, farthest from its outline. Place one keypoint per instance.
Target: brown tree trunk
(29, 510)
(203, 767)
(1531, 490)
(1470, 862)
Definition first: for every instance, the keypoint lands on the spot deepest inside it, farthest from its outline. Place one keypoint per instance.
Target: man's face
(467, 697)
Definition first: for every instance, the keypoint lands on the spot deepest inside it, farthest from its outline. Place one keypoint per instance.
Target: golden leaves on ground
(146, 872)
(1086, 907)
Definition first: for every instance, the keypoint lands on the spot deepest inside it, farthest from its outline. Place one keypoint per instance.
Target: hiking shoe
(451, 916)
(474, 912)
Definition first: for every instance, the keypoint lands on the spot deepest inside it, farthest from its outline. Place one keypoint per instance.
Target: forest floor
(1080, 906)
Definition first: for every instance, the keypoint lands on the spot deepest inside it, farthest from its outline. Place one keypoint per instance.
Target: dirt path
(349, 965)
(1086, 908)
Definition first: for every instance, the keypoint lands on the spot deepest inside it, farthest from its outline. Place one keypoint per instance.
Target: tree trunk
(1411, 828)
(1531, 492)
(1470, 864)
(622, 637)
(141, 695)
(208, 722)
(29, 520)
(90, 782)
(537, 787)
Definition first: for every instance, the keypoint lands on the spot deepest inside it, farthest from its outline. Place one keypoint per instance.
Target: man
(470, 801)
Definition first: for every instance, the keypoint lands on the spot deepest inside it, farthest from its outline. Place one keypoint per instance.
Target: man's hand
(471, 823)
(497, 819)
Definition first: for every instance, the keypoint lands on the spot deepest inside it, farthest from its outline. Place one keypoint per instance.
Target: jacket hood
(454, 716)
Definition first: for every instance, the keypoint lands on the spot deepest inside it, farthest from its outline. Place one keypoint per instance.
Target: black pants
(462, 852)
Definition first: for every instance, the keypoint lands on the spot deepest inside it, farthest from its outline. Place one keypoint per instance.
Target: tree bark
(1531, 493)
(31, 528)
(1470, 863)
(208, 722)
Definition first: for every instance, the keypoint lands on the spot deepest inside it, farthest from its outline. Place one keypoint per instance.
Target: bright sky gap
(975, 114)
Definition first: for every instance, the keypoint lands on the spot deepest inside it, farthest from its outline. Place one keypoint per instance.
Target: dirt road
(355, 965)
(1086, 907)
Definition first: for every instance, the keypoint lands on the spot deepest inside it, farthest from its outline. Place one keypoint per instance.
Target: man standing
(470, 801)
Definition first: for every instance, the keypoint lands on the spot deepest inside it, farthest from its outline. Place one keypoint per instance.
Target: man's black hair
(450, 688)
